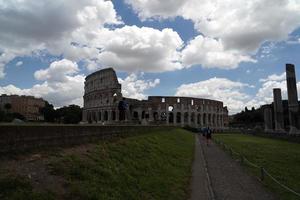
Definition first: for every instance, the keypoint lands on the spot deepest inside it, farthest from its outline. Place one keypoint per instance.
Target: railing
(263, 171)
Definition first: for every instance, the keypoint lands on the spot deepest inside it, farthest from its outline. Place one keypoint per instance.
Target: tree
(7, 107)
(49, 112)
(2, 115)
(70, 115)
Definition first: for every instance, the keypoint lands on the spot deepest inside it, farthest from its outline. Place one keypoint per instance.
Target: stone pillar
(151, 119)
(84, 116)
(174, 118)
(268, 119)
(278, 110)
(292, 98)
(109, 116)
(167, 113)
(117, 115)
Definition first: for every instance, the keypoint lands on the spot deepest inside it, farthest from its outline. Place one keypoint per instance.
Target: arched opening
(199, 119)
(135, 115)
(204, 119)
(99, 116)
(155, 116)
(193, 118)
(186, 118)
(95, 116)
(170, 108)
(163, 116)
(105, 116)
(209, 119)
(113, 115)
(171, 117)
(89, 117)
(143, 114)
(178, 118)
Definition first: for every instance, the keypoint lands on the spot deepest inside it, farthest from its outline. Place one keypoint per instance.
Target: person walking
(208, 136)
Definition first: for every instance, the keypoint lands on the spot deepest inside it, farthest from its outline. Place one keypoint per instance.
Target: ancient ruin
(292, 127)
(102, 99)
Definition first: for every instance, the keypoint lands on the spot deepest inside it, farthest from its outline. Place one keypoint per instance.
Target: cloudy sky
(229, 50)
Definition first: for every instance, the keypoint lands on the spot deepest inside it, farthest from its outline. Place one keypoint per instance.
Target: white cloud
(19, 63)
(134, 86)
(222, 89)
(28, 26)
(58, 71)
(62, 84)
(141, 49)
(210, 53)
(241, 25)
(232, 93)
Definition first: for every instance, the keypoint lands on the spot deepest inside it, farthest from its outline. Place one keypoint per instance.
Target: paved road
(217, 177)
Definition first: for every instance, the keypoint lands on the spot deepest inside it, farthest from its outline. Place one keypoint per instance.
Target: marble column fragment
(292, 98)
(278, 110)
(268, 119)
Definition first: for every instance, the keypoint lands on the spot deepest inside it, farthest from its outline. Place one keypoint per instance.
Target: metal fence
(263, 171)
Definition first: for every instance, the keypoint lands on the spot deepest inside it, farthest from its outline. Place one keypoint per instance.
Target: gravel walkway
(226, 178)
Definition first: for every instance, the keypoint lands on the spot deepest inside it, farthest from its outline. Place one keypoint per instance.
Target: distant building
(104, 104)
(28, 106)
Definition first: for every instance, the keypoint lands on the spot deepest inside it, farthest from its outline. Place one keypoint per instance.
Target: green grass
(14, 187)
(280, 158)
(150, 166)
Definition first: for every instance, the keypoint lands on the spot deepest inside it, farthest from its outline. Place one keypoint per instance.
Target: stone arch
(199, 119)
(89, 117)
(105, 115)
(113, 115)
(163, 116)
(135, 115)
(155, 116)
(99, 115)
(178, 117)
(95, 117)
(186, 118)
(193, 118)
(171, 117)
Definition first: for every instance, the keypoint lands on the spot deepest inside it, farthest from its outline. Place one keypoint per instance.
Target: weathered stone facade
(103, 94)
(28, 106)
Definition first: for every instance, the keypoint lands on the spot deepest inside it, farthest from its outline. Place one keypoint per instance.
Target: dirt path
(227, 178)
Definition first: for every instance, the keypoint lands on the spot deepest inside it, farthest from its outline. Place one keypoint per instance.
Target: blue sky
(233, 53)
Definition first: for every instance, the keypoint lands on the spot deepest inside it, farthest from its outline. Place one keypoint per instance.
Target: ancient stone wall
(25, 137)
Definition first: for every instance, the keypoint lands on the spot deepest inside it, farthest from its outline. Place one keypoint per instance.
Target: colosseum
(102, 97)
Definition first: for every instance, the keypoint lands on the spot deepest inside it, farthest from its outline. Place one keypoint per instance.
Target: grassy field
(280, 158)
(149, 166)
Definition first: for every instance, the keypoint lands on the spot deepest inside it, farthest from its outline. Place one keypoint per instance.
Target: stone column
(151, 119)
(268, 119)
(174, 118)
(292, 98)
(84, 116)
(278, 110)
(167, 114)
(109, 116)
(117, 115)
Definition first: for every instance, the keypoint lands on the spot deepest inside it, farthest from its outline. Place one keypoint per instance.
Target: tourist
(208, 135)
